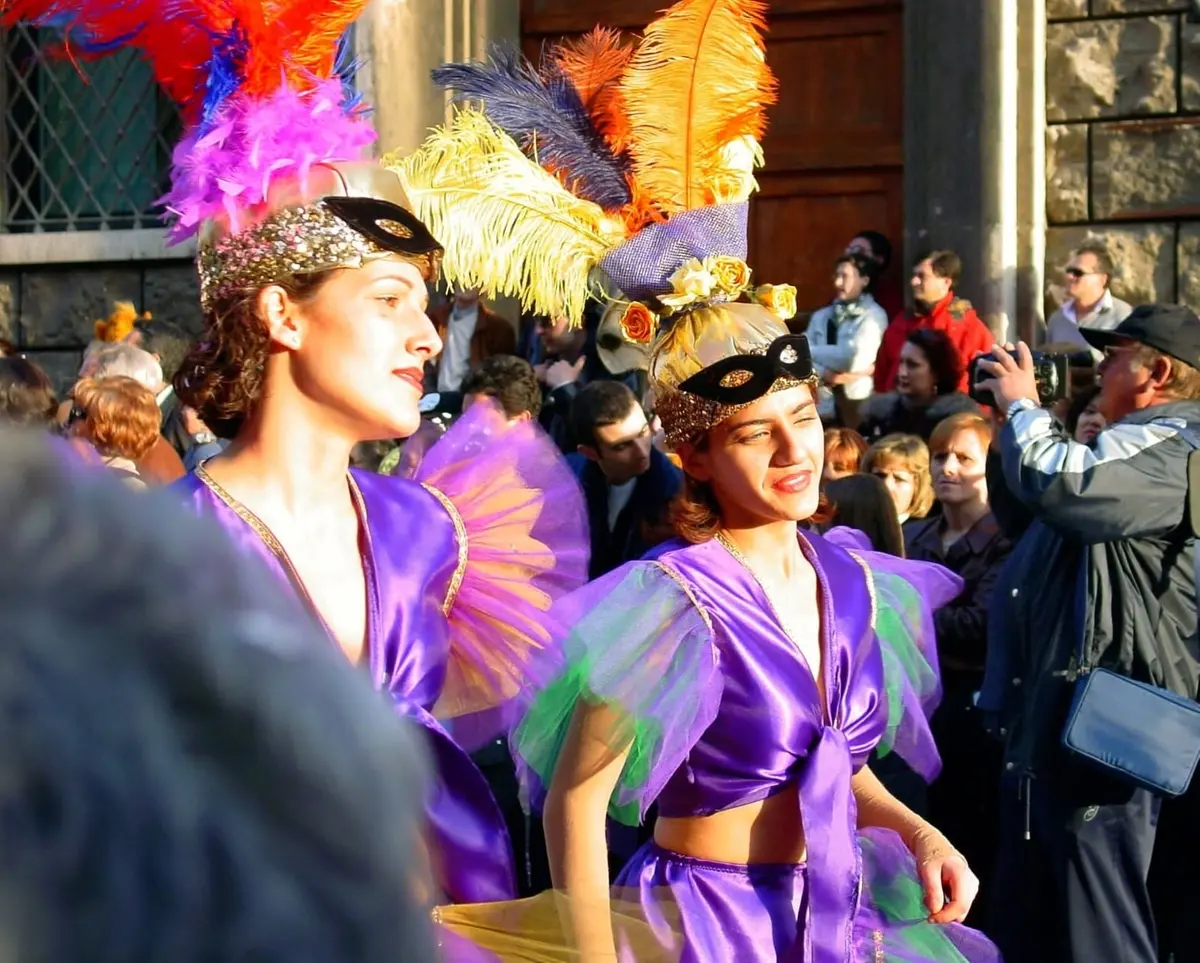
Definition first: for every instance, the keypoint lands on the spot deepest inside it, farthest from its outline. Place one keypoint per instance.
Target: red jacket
(953, 315)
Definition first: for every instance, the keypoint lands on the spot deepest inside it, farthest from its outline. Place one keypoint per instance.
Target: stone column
(400, 41)
(973, 109)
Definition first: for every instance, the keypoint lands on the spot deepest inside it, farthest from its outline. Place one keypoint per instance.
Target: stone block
(10, 284)
(1190, 66)
(61, 366)
(1188, 291)
(1110, 68)
(1065, 9)
(1103, 8)
(1144, 257)
(60, 306)
(1147, 169)
(1067, 172)
(172, 294)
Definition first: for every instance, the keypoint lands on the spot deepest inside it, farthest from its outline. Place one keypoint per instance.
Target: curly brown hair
(222, 376)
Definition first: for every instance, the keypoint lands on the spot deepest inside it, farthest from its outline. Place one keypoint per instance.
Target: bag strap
(831, 328)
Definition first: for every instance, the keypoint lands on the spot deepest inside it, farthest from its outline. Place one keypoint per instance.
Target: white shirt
(618, 498)
(456, 355)
(859, 336)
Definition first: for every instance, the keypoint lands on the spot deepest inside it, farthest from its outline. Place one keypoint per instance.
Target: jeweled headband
(360, 215)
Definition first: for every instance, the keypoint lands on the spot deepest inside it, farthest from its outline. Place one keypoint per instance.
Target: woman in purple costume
(741, 678)
(313, 284)
(438, 584)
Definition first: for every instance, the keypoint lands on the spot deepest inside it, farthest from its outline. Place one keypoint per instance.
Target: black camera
(1051, 371)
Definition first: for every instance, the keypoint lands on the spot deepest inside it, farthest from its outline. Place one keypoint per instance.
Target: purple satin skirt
(726, 911)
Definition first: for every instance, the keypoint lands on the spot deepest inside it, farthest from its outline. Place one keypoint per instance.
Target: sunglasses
(1077, 273)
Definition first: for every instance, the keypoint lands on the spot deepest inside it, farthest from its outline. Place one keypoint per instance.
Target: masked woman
(313, 282)
(742, 675)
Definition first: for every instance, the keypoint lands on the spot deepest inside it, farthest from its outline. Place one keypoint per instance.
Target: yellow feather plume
(696, 92)
(508, 226)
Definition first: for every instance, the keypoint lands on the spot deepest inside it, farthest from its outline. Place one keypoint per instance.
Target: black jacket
(643, 522)
(1106, 567)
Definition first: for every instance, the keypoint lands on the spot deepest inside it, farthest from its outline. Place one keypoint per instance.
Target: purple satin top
(410, 554)
(770, 730)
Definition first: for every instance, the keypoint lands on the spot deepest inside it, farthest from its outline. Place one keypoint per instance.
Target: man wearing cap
(1106, 570)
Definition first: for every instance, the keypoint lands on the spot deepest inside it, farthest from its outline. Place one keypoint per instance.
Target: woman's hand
(944, 872)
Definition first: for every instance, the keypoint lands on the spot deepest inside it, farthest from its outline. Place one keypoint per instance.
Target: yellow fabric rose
(691, 282)
(732, 274)
(779, 299)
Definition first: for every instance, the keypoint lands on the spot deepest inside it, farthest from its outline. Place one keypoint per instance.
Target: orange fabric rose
(637, 323)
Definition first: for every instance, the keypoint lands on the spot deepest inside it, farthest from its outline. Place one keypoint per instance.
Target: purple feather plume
(544, 116)
(225, 167)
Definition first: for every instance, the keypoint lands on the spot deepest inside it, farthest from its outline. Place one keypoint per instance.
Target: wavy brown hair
(696, 514)
(120, 416)
(222, 376)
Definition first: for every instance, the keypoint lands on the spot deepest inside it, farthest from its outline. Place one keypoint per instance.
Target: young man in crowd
(935, 305)
(628, 483)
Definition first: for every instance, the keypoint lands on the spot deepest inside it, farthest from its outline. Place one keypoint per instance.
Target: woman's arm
(941, 867)
(576, 805)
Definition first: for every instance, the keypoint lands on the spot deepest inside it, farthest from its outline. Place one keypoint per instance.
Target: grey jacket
(1108, 564)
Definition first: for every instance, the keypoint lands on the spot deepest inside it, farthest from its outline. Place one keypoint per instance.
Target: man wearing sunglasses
(1090, 303)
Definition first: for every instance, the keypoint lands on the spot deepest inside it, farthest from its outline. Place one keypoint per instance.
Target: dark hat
(1170, 328)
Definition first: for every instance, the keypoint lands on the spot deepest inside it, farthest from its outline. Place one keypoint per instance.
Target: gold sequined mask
(339, 216)
(716, 360)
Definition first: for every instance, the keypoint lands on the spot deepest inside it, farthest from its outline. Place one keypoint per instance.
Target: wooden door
(834, 146)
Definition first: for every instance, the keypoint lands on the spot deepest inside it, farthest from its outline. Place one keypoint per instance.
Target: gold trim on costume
(460, 535)
(275, 547)
(870, 577)
(687, 590)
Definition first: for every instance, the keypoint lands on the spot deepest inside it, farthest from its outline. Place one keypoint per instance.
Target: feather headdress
(659, 139)
(256, 80)
(273, 132)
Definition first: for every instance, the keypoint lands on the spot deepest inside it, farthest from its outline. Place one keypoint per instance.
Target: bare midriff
(767, 831)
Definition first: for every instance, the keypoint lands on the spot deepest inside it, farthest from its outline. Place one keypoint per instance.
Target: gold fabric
(294, 233)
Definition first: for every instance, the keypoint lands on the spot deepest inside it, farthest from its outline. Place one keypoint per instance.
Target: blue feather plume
(546, 117)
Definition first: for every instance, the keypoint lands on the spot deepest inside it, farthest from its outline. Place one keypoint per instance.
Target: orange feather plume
(594, 64)
(293, 39)
(696, 93)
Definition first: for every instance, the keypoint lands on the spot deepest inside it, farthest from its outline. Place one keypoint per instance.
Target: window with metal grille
(85, 145)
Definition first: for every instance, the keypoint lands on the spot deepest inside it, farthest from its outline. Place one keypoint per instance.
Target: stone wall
(1123, 143)
(48, 312)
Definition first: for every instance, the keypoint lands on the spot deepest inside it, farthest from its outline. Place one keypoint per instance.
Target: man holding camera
(1103, 578)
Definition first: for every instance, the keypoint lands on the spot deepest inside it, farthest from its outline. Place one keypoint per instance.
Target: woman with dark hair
(886, 290)
(27, 397)
(926, 389)
(313, 285)
(1084, 418)
(862, 502)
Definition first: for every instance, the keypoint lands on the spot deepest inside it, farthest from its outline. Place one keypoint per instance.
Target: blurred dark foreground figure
(188, 771)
